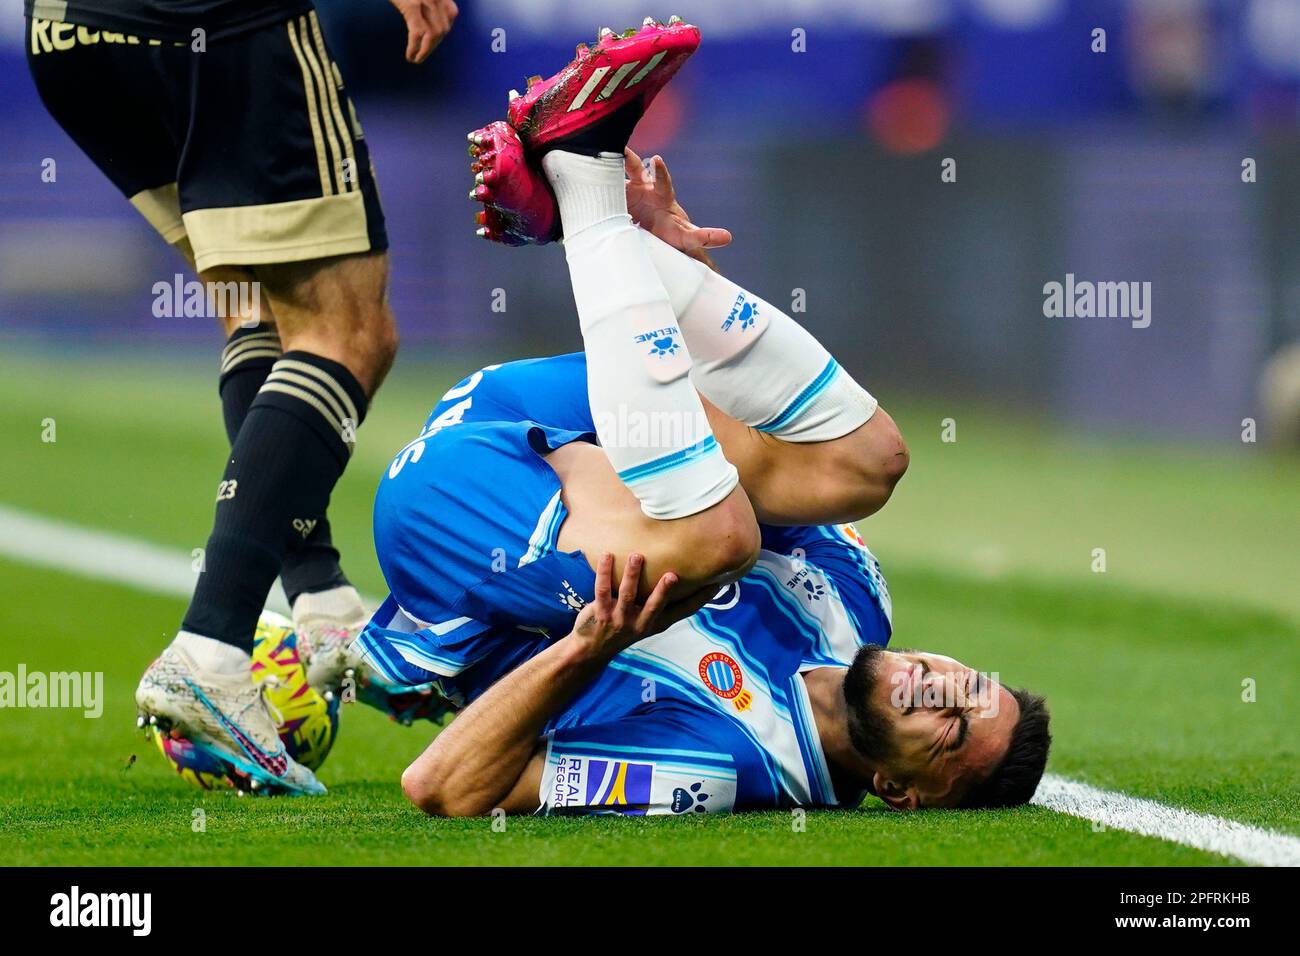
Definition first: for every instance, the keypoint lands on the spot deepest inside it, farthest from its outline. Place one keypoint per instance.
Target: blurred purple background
(1115, 166)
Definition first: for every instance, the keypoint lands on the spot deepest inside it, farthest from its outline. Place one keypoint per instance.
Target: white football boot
(327, 622)
(224, 714)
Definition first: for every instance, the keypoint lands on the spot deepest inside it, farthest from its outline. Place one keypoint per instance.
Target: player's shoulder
(838, 548)
(822, 537)
(830, 572)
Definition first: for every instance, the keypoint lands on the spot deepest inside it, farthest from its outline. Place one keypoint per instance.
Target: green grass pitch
(987, 546)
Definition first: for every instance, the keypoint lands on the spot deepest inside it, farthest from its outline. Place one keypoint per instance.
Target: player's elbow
(435, 789)
(421, 790)
(427, 788)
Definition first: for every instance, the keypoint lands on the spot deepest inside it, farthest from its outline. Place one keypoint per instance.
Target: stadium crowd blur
(817, 132)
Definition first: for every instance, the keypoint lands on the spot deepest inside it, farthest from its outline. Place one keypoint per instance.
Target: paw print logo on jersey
(570, 598)
(813, 590)
(663, 347)
(692, 800)
(663, 342)
(742, 311)
(748, 316)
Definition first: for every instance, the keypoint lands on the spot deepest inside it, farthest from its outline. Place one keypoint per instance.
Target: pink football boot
(594, 103)
(518, 205)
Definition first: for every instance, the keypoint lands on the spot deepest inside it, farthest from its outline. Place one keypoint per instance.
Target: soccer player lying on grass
(700, 452)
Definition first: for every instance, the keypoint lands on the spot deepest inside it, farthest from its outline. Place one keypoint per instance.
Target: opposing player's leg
(304, 197)
(327, 610)
(338, 338)
(319, 592)
(111, 93)
(812, 446)
(301, 213)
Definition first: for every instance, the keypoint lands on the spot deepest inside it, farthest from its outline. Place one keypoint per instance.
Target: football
(308, 723)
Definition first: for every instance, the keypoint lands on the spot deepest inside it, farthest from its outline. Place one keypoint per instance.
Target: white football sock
(649, 418)
(212, 655)
(752, 360)
(341, 605)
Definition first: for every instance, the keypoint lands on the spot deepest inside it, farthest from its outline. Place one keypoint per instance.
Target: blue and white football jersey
(709, 716)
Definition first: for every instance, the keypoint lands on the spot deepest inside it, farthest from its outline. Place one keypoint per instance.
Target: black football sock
(311, 564)
(287, 456)
(245, 362)
(608, 136)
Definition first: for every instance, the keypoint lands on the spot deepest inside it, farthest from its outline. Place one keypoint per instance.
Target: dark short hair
(1016, 778)
(869, 731)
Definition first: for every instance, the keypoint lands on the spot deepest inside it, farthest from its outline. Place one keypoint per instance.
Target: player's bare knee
(868, 468)
(892, 458)
(336, 307)
(382, 339)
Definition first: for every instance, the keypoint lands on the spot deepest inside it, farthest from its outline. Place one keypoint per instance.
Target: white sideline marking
(1200, 830)
(105, 556)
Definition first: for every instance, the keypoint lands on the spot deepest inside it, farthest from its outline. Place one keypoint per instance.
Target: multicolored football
(309, 723)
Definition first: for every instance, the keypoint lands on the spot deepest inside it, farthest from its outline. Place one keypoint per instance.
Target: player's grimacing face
(949, 727)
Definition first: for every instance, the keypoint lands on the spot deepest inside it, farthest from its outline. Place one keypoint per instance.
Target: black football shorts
(243, 153)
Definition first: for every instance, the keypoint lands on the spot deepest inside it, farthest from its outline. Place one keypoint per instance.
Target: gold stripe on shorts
(331, 73)
(322, 98)
(309, 88)
(292, 231)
